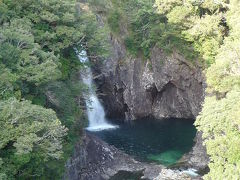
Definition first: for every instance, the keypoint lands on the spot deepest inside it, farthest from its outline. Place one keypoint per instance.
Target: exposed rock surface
(168, 174)
(94, 159)
(197, 158)
(162, 87)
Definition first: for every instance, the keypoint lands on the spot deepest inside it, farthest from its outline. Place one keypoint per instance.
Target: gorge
(152, 94)
(149, 132)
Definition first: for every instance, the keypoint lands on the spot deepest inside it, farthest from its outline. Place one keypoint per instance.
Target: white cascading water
(191, 172)
(95, 111)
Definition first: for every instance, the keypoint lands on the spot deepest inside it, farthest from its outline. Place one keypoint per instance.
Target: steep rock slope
(163, 86)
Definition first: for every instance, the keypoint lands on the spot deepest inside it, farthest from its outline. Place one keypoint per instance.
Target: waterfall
(95, 111)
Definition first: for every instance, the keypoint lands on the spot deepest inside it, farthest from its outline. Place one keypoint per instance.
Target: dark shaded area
(125, 175)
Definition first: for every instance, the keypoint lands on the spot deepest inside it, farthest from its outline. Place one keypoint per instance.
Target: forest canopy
(38, 69)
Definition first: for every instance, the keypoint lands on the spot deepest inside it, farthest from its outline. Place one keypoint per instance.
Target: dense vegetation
(220, 117)
(141, 27)
(40, 113)
(206, 31)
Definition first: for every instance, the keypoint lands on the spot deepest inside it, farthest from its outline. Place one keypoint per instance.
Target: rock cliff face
(163, 86)
(197, 158)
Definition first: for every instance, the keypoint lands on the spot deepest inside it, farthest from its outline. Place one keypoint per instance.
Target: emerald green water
(161, 141)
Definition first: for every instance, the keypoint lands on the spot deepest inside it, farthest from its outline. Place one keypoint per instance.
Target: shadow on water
(151, 140)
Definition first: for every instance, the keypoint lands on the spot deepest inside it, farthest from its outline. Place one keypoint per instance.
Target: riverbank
(93, 159)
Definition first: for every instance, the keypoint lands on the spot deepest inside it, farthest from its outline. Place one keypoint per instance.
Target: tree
(30, 61)
(219, 120)
(200, 22)
(8, 80)
(28, 132)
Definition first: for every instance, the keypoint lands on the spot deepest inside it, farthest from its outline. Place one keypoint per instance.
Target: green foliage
(113, 21)
(99, 6)
(131, 45)
(142, 21)
(205, 24)
(39, 70)
(147, 28)
(199, 23)
(27, 131)
(219, 120)
(8, 80)
(39, 100)
(63, 98)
